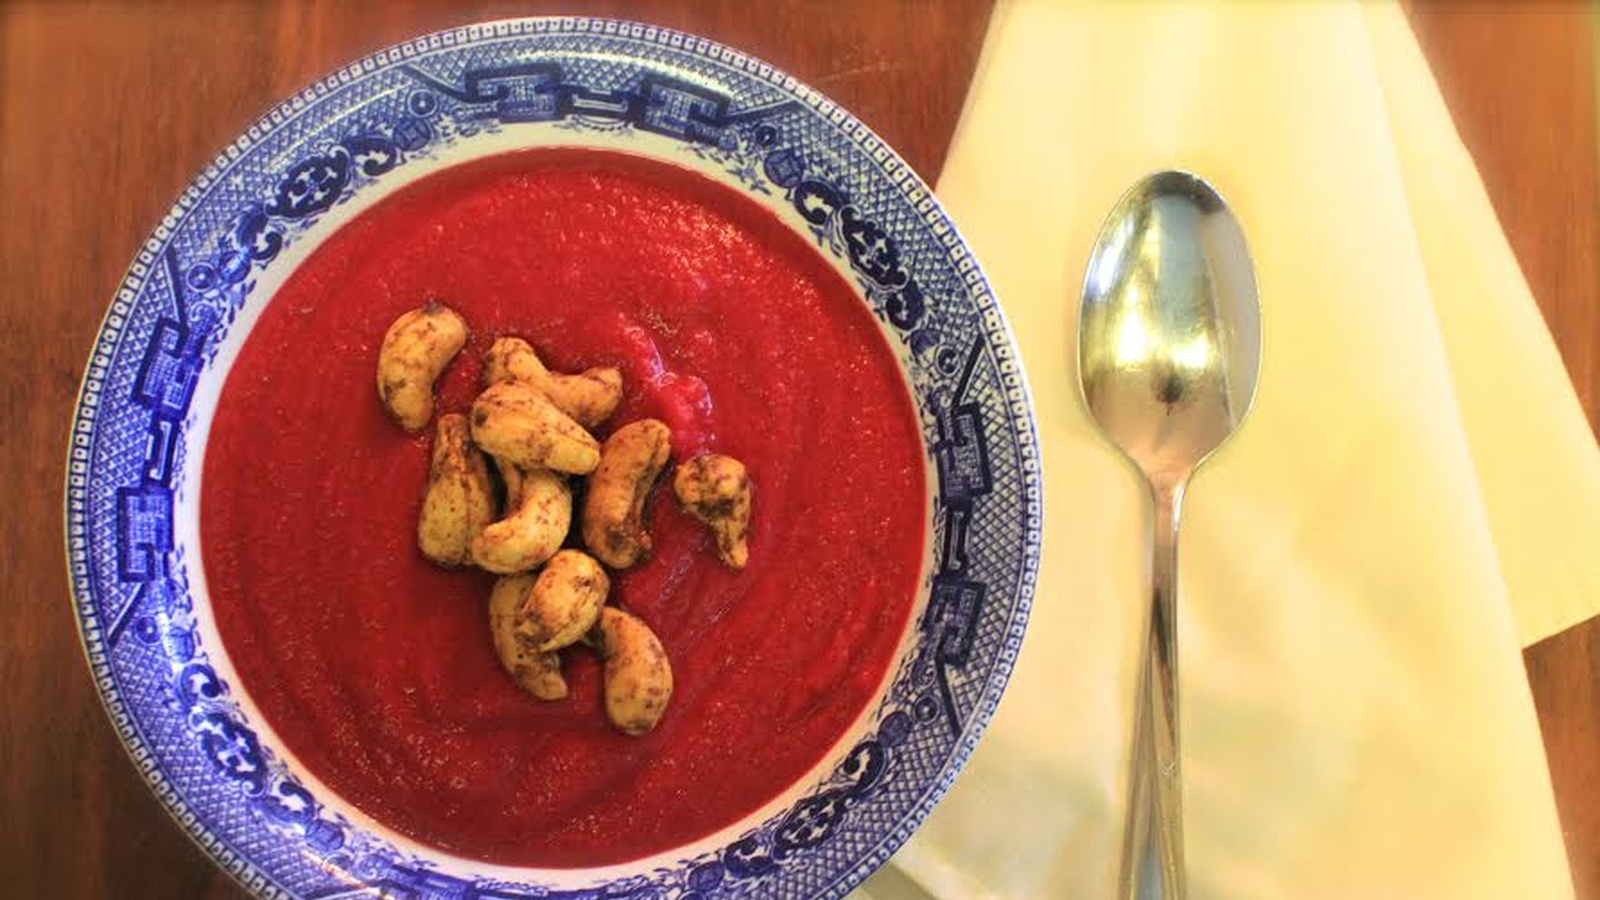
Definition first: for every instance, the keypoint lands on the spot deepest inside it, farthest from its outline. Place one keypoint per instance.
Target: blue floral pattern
(779, 141)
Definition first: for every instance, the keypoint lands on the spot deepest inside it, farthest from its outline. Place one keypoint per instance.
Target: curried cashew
(511, 359)
(537, 673)
(589, 397)
(459, 501)
(565, 602)
(415, 350)
(531, 534)
(613, 510)
(638, 676)
(515, 422)
(716, 490)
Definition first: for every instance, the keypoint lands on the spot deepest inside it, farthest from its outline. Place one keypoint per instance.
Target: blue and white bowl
(331, 151)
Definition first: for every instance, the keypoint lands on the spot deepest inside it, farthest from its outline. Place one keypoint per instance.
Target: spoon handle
(1152, 849)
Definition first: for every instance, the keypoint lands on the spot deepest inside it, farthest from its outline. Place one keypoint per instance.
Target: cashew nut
(531, 534)
(638, 677)
(459, 501)
(565, 602)
(515, 422)
(589, 397)
(613, 511)
(537, 673)
(716, 490)
(512, 359)
(415, 350)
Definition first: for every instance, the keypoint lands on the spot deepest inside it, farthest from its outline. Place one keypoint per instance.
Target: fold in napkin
(1414, 485)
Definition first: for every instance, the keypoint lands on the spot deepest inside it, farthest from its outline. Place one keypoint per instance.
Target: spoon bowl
(1169, 349)
(1169, 336)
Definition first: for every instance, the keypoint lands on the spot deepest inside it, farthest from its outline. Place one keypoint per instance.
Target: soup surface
(376, 668)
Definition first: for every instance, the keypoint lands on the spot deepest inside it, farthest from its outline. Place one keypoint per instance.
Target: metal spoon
(1169, 344)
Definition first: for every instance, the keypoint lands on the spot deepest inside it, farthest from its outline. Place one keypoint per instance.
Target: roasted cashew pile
(498, 497)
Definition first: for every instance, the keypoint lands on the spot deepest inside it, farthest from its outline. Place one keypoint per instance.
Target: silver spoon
(1169, 344)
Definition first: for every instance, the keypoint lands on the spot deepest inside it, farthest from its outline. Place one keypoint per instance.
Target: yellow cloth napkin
(1413, 496)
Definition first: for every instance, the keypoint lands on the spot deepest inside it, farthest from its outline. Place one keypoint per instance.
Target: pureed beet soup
(376, 667)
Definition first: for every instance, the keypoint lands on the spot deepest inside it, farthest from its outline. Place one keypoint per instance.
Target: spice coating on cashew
(613, 510)
(565, 602)
(531, 534)
(638, 676)
(539, 674)
(459, 499)
(516, 423)
(415, 351)
(716, 490)
(588, 397)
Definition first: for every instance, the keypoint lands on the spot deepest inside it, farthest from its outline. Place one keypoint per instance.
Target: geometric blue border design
(782, 142)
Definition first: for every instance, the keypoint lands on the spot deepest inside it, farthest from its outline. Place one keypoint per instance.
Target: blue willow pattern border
(772, 135)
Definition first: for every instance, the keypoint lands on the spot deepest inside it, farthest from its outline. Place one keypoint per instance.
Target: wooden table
(110, 108)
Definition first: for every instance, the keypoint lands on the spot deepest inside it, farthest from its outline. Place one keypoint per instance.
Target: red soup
(376, 667)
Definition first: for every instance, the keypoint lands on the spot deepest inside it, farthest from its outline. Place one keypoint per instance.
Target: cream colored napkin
(1414, 495)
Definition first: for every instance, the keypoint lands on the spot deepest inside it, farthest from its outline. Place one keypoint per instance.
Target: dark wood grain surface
(110, 108)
